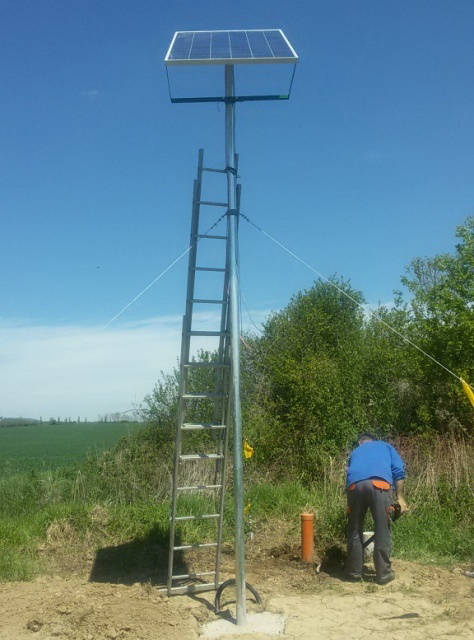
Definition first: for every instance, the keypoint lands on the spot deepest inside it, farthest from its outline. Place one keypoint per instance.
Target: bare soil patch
(423, 602)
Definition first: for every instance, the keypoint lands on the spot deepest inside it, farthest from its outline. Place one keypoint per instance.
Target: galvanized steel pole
(232, 233)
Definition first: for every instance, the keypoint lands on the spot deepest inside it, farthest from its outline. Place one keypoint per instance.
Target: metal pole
(232, 232)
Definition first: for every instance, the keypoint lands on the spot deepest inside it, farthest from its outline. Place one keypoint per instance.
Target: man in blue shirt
(374, 469)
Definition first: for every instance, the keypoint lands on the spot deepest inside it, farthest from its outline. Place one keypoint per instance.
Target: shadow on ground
(333, 564)
(332, 561)
(141, 560)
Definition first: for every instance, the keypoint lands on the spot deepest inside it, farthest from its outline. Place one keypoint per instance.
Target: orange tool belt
(379, 484)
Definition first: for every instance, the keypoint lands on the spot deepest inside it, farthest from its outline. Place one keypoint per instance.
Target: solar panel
(230, 47)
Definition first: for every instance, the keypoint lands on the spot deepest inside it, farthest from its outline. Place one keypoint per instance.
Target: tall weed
(123, 495)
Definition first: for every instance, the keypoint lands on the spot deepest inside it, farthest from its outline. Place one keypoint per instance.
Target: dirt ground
(86, 602)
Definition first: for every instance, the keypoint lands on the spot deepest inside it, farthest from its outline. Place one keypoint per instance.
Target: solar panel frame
(182, 37)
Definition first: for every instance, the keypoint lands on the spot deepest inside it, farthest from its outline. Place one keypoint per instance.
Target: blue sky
(367, 166)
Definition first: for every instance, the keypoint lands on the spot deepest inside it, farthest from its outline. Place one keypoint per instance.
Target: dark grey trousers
(365, 496)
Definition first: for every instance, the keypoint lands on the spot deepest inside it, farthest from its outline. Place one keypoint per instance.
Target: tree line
(325, 368)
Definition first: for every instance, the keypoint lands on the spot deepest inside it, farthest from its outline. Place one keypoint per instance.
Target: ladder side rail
(224, 340)
(220, 374)
(238, 191)
(223, 383)
(177, 453)
(224, 326)
(194, 238)
(223, 356)
(227, 413)
(226, 417)
(226, 382)
(223, 330)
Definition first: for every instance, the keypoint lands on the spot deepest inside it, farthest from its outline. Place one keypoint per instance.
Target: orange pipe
(307, 520)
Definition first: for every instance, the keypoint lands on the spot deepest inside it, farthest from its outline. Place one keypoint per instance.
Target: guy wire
(333, 284)
(158, 277)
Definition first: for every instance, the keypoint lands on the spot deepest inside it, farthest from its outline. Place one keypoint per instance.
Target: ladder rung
(198, 517)
(188, 426)
(190, 576)
(199, 487)
(201, 456)
(204, 396)
(214, 170)
(213, 204)
(206, 301)
(219, 269)
(198, 545)
(208, 365)
(192, 588)
(208, 333)
(211, 237)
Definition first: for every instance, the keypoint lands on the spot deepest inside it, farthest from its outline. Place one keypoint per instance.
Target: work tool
(395, 511)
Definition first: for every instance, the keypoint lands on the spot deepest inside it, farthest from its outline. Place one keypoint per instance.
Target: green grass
(429, 534)
(119, 499)
(44, 446)
(440, 527)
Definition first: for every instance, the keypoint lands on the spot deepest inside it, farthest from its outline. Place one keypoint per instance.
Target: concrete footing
(272, 624)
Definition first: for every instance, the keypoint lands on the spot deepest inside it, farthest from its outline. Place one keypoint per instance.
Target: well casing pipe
(307, 536)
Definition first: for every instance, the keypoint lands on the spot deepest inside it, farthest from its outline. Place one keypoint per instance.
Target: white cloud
(52, 371)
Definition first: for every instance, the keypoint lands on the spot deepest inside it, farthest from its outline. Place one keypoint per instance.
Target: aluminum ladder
(212, 430)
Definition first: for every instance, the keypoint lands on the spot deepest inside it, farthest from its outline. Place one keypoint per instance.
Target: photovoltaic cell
(239, 46)
(182, 45)
(219, 47)
(278, 44)
(259, 45)
(201, 46)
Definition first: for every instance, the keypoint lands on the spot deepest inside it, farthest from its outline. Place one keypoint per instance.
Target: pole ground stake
(307, 520)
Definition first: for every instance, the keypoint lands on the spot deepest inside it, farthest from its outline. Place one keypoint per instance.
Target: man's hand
(404, 508)
(399, 488)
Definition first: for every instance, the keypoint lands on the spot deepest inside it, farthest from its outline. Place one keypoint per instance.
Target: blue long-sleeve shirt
(375, 459)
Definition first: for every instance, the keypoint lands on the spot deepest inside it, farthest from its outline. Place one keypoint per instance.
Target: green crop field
(45, 446)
